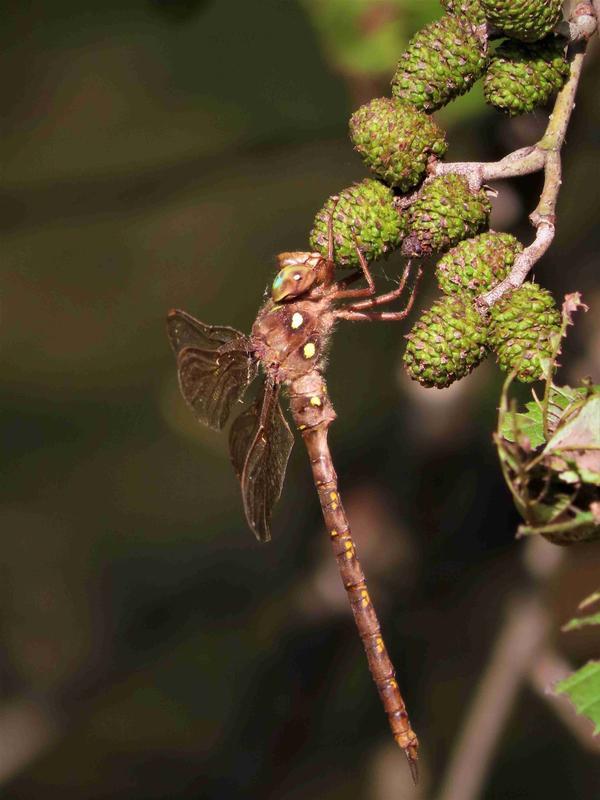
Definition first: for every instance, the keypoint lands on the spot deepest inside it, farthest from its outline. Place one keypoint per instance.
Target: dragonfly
(288, 345)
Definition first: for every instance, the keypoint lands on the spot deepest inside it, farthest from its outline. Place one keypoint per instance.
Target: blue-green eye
(292, 281)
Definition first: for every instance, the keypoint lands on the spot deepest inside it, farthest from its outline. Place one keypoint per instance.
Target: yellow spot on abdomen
(315, 401)
(379, 644)
(333, 496)
(309, 350)
(350, 552)
(297, 320)
(365, 599)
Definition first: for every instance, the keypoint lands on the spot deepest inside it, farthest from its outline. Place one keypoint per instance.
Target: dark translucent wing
(260, 442)
(185, 331)
(214, 366)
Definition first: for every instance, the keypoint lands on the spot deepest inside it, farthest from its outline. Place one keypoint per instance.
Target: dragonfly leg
(367, 291)
(383, 299)
(360, 314)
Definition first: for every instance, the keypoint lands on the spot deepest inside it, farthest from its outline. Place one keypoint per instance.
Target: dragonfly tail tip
(414, 766)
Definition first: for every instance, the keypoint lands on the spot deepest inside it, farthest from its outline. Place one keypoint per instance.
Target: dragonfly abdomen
(309, 402)
(313, 413)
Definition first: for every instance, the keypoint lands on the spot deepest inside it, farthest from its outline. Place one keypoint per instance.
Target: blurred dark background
(158, 154)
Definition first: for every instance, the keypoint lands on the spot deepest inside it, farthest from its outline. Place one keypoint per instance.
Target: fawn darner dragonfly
(288, 341)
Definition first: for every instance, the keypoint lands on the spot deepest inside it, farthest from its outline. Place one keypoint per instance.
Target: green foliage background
(160, 159)
(583, 686)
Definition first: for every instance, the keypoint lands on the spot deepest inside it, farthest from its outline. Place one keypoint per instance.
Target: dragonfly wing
(214, 365)
(260, 442)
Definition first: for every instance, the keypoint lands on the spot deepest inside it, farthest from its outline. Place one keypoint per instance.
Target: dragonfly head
(298, 272)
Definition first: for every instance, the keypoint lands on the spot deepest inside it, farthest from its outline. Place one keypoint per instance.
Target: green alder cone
(364, 215)
(395, 140)
(446, 212)
(476, 265)
(443, 60)
(522, 324)
(471, 9)
(526, 20)
(522, 77)
(446, 343)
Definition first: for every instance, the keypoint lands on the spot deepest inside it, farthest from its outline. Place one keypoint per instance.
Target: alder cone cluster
(522, 77)
(442, 61)
(364, 216)
(396, 140)
(476, 265)
(445, 212)
(470, 9)
(526, 20)
(523, 324)
(446, 343)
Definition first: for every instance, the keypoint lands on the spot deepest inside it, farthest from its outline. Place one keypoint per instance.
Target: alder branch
(582, 23)
(544, 155)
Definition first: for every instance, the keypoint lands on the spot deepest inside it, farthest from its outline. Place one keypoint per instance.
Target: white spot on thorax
(297, 320)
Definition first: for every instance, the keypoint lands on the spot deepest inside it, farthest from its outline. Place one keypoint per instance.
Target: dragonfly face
(291, 282)
(299, 272)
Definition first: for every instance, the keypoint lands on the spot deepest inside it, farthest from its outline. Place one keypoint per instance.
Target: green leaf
(543, 513)
(583, 690)
(561, 398)
(581, 622)
(550, 452)
(530, 424)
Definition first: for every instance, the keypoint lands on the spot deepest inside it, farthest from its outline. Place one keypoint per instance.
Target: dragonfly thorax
(290, 338)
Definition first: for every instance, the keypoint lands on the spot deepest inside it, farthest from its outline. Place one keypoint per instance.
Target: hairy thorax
(290, 338)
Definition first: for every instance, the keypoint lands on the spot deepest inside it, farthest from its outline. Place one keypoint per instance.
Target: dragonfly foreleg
(359, 312)
(382, 299)
(367, 291)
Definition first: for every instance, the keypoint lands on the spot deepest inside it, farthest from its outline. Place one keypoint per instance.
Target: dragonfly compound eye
(292, 281)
